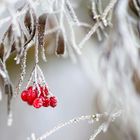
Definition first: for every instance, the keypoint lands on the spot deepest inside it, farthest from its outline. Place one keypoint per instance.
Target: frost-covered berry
(53, 101)
(37, 103)
(46, 102)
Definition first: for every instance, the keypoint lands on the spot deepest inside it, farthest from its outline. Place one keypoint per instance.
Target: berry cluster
(38, 98)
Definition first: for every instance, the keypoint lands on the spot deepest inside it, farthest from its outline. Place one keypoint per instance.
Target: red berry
(24, 95)
(30, 88)
(46, 90)
(46, 102)
(43, 90)
(53, 101)
(32, 95)
(37, 103)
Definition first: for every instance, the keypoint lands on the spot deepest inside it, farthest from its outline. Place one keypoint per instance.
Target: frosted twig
(82, 24)
(92, 31)
(98, 24)
(62, 14)
(74, 120)
(95, 117)
(96, 16)
(16, 15)
(107, 10)
(23, 68)
(97, 132)
(31, 77)
(41, 73)
(74, 45)
(36, 79)
(104, 126)
(15, 23)
(30, 39)
(24, 29)
(73, 41)
(100, 9)
(71, 12)
(43, 53)
(36, 50)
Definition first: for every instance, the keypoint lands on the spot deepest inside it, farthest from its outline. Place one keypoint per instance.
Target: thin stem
(95, 117)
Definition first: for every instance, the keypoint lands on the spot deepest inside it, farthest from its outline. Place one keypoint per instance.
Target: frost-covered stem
(70, 25)
(96, 17)
(74, 41)
(104, 126)
(24, 29)
(93, 8)
(100, 6)
(62, 14)
(74, 17)
(75, 47)
(36, 54)
(43, 78)
(23, 68)
(36, 60)
(109, 8)
(74, 120)
(82, 24)
(36, 47)
(41, 74)
(36, 79)
(16, 27)
(31, 77)
(71, 12)
(97, 132)
(98, 23)
(89, 34)
(95, 117)
(16, 15)
(43, 53)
